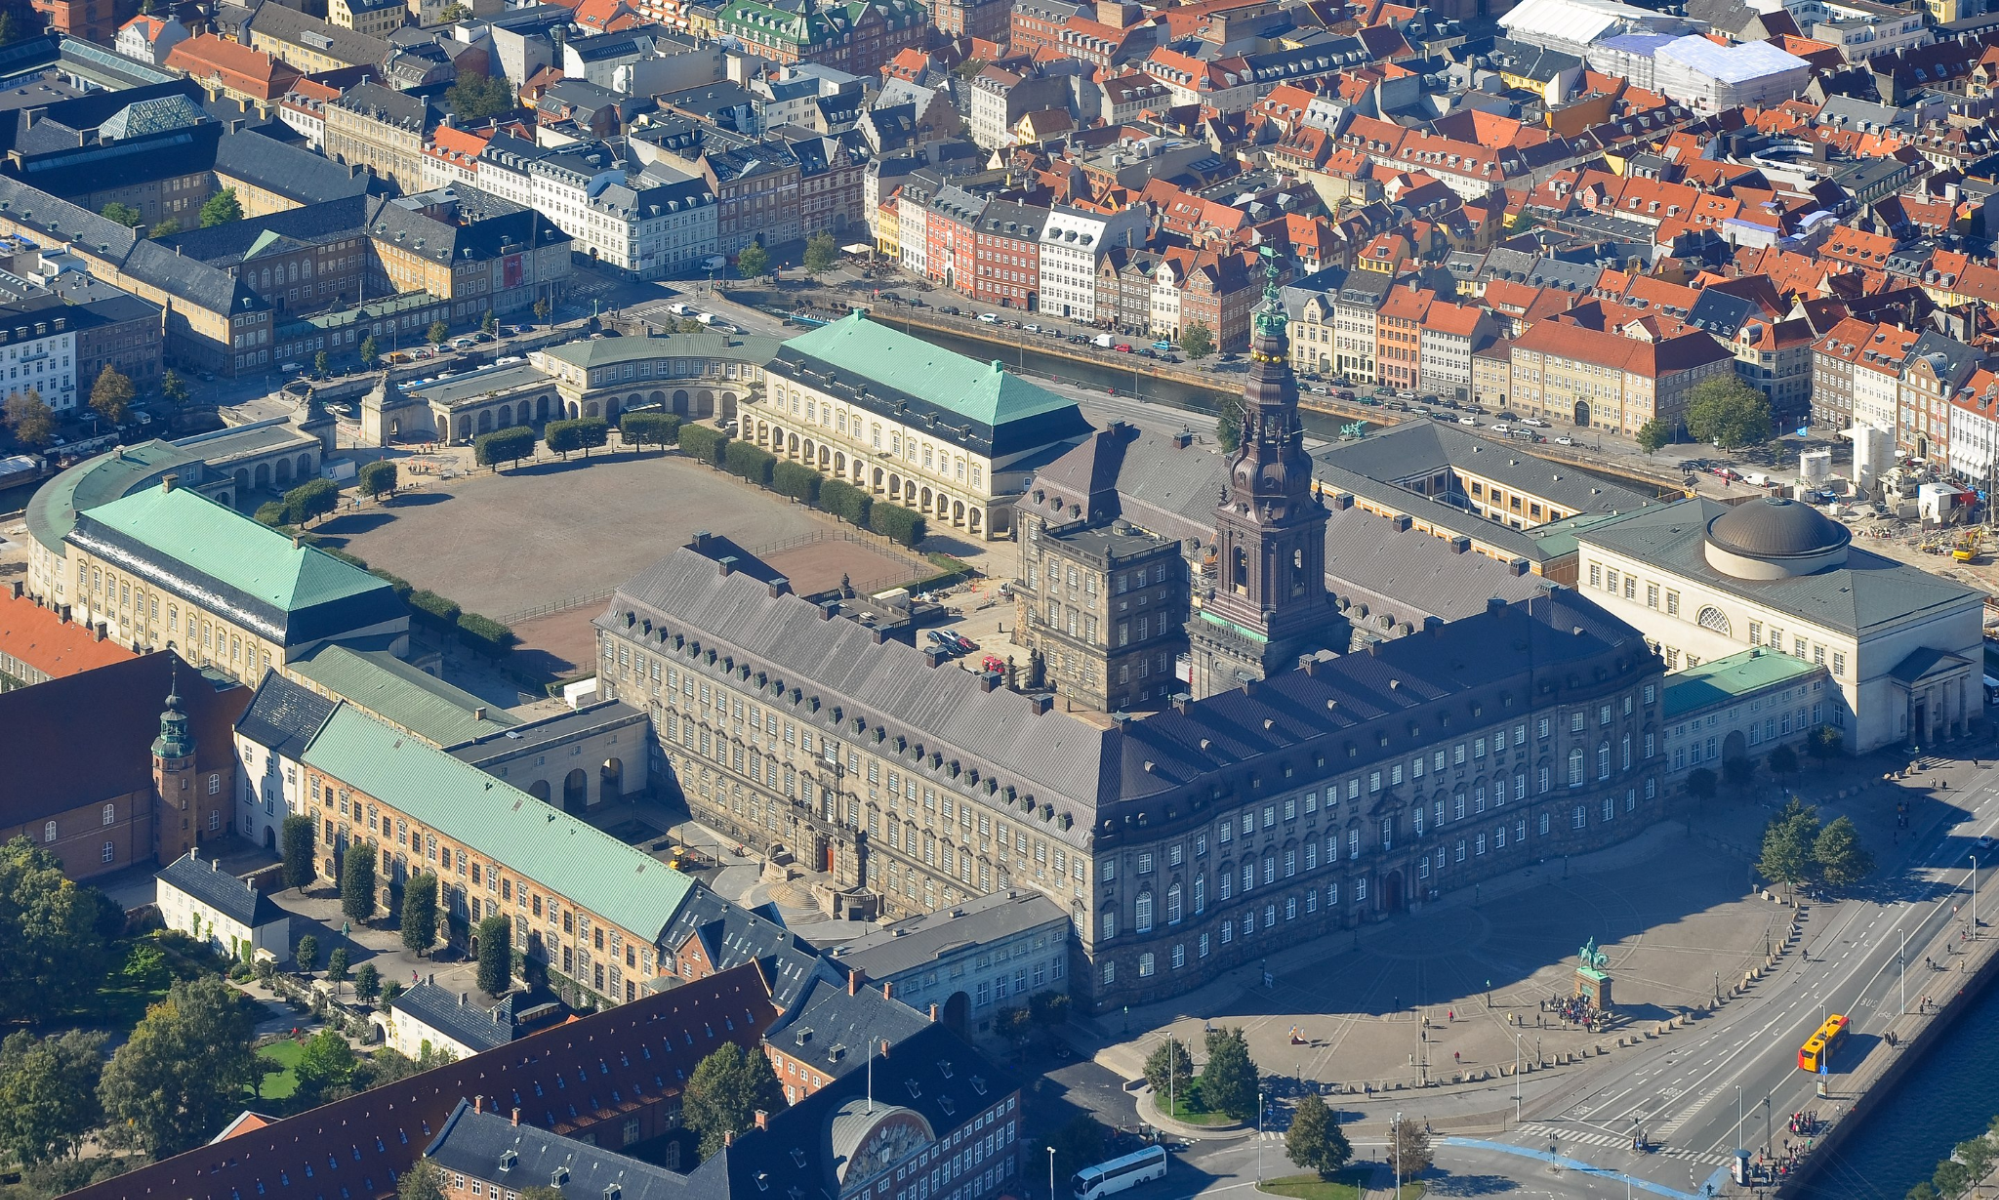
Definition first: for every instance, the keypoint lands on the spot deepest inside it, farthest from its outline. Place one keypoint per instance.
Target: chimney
(215, 864)
(933, 1014)
(297, 542)
(1494, 604)
(461, 999)
(98, 631)
(169, 481)
(63, 612)
(988, 680)
(888, 989)
(14, 589)
(517, 1116)
(763, 1119)
(827, 610)
(1040, 704)
(1182, 439)
(727, 563)
(478, 1104)
(479, 713)
(728, 1138)
(853, 982)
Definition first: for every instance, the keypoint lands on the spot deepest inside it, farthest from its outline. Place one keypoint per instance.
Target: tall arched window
(1576, 767)
(1173, 905)
(1141, 913)
(1603, 761)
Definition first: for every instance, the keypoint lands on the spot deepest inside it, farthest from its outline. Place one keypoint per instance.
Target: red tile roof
(43, 640)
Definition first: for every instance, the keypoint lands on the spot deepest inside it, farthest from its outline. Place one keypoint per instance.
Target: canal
(1948, 1097)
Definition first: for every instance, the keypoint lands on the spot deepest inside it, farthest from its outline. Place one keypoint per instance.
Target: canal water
(1951, 1095)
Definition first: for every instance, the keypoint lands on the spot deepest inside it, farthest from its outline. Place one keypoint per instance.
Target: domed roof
(1775, 527)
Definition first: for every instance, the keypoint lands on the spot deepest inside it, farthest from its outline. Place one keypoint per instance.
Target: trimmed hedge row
(704, 444)
(845, 501)
(903, 526)
(433, 608)
(484, 635)
(649, 428)
(509, 445)
(797, 481)
(750, 462)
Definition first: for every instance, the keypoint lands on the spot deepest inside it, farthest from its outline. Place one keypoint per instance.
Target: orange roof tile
(41, 639)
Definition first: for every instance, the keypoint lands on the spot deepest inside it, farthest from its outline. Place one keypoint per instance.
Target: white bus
(1093, 1183)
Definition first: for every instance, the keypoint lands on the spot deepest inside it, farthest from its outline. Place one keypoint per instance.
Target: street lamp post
(1259, 1135)
(1738, 1118)
(1051, 1173)
(1516, 1079)
(1974, 897)
(1395, 1152)
(1904, 965)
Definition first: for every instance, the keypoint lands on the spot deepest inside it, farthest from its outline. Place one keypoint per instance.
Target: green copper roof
(232, 549)
(564, 855)
(1720, 680)
(403, 696)
(52, 510)
(983, 392)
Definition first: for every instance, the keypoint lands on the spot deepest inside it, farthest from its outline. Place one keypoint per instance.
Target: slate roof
(291, 25)
(393, 691)
(595, 870)
(219, 890)
(1425, 448)
(832, 1029)
(473, 1143)
(646, 1048)
(731, 935)
(1868, 592)
(918, 942)
(87, 738)
(1004, 411)
(185, 541)
(283, 716)
(1409, 575)
(454, 1015)
(293, 172)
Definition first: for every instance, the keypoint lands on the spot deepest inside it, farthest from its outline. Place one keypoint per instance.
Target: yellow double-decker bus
(1816, 1054)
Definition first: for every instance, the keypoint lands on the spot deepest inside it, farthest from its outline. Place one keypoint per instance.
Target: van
(1102, 341)
(291, 368)
(706, 318)
(679, 309)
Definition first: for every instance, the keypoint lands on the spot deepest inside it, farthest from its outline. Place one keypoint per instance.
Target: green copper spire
(1270, 320)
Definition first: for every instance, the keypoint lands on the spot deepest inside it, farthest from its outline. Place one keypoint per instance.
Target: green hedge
(750, 462)
(402, 587)
(271, 512)
(798, 481)
(846, 501)
(352, 560)
(508, 445)
(649, 428)
(485, 635)
(433, 608)
(702, 443)
(904, 526)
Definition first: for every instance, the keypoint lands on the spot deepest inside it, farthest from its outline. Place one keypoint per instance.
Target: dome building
(1703, 580)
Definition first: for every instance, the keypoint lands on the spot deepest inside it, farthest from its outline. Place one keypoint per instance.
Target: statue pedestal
(1593, 986)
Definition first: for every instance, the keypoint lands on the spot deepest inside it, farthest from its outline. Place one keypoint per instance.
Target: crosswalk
(1589, 1137)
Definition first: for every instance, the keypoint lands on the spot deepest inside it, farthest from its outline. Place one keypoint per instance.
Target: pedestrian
(1456, 1057)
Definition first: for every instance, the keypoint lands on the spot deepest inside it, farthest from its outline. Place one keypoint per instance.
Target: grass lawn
(1347, 1185)
(1189, 1109)
(286, 1054)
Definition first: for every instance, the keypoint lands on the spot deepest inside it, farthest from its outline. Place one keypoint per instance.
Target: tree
(642, 429)
(1824, 744)
(1788, 844)
(1228, 424)
(1841, 860)
(124, 214)
(371, 352)
(821, 252)
(475, 97)
(1167, 1071)
(221, 209)
(377, 478)
(167, 227)
(296, 839)
(367, 982)
(1701, 783)
(1976, 1154)
(1078, 1144)
(307, 954)
(336, 968)
(496, 955)
(1228, 1082)
(357, 884)
(112, 395)
(1951, 1178)
(420, 913)
(1049, 1008)
(542, 308)
(423, 1181)
(1408, 1149)
(490, 324)
(185, 1070)
(455, 11)
(1654, 434)
(437, 332)
(173, 387)
(1728, 413)
(48, 1094)
(592, 433)
(57, 946)
(1316, 1141)
(1012, 1022)
(752, 261)
(327, 1063)
(725, 1092)
(1737, 772)
(1922, 1191)
(313, 498)
(509, 445)
(1197, 340)
(321, 363)
(32, 422)
(1782, 761)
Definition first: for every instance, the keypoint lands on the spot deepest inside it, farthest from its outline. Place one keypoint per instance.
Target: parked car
(1030, 329)
(989, 318)
(1122, 347)
(942, 641)
(1565, 440)
(949, 310)
(961, 641)
(1162, 344)
(1536, 422)
(1467, 419)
